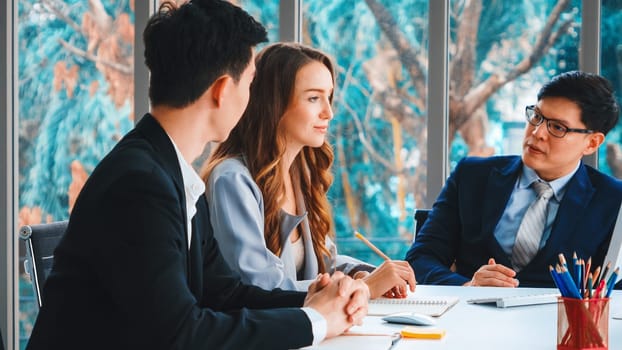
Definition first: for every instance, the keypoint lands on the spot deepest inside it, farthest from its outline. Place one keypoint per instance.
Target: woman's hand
(391, 279)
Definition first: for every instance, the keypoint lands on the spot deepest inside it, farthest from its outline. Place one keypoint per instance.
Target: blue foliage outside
(611, 63)
(510, 20)
(267, 13)
(349, 32)
(56, 129)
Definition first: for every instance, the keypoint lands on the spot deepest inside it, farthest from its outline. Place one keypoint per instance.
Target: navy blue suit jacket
(460, 227)
(124, 278)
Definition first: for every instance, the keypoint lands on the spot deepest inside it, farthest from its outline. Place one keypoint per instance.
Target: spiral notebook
(431, 306)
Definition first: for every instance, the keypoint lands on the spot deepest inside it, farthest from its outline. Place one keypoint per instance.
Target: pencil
(612, 281)
(578, 274)
(556, 280)
(586, 272)
(590, 286)
(603, 275)
(596, 276)
(570, 285)
(562, 260)
(371, 245)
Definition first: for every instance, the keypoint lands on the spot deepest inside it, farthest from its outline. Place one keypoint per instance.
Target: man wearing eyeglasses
(501, 221)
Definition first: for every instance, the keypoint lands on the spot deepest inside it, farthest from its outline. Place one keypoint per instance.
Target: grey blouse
(237, 215)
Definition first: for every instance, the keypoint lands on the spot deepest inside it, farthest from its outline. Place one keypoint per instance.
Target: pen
(371, 245)
(394, 339)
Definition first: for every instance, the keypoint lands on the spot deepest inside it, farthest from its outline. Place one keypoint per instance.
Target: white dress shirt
(194, 187)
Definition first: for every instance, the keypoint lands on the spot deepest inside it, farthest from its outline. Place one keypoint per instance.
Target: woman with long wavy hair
(267, 183)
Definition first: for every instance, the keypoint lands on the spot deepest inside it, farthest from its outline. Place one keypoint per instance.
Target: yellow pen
(358, 235)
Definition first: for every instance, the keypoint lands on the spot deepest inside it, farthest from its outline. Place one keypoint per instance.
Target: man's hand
(391, 279)
(341, 300)
(494, 275)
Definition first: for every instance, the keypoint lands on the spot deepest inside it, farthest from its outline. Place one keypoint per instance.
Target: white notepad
(517, 300)
(431, 306)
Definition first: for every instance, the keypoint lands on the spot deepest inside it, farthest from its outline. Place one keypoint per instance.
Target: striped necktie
(531, 228)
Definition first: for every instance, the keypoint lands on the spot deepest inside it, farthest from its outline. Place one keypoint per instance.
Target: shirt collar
(528, 176)
(193, 184)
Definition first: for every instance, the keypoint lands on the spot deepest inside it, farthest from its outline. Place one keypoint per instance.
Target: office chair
(420, 216)
(41, 240)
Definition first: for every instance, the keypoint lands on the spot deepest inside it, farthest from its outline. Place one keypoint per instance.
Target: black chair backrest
(421, 216)
(41, 240)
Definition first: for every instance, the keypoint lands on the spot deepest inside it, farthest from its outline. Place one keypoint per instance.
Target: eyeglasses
(554, 127)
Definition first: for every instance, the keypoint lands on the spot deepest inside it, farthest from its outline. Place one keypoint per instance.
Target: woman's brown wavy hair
(259, 139)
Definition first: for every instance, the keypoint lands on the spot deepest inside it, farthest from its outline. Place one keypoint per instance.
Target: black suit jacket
(124, 278)
(461, 225)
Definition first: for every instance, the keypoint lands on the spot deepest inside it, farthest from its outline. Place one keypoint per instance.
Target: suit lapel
(498, 190)
(150, 129)
(201, 229)
(577, 196)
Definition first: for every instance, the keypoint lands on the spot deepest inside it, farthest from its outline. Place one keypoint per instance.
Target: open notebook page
(431, 306)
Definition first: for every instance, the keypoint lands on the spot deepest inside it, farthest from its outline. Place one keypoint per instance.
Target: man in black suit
(138, 267)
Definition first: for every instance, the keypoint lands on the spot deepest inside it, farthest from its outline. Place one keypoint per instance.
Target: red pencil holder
(582, 324)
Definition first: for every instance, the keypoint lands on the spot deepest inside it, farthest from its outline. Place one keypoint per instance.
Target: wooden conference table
(482, 327)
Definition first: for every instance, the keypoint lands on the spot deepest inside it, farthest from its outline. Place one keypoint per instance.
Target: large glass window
(76, 85)
(379, 131)
(501, 52)
(610, 154)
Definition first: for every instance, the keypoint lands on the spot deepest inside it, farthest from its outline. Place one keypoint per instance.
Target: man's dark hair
(592, 93)
(188, 47)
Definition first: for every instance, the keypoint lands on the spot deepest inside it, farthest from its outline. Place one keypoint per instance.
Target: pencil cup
(582, 324)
